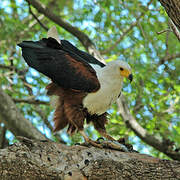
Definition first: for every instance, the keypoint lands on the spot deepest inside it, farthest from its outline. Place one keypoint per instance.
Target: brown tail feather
(60, 120)
(99, 122)
(71, 129)
(75, 116)
(68, 108)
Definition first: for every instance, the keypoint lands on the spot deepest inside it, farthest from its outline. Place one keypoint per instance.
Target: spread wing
(66, 68)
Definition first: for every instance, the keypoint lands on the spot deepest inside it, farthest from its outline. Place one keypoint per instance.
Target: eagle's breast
(110, 88)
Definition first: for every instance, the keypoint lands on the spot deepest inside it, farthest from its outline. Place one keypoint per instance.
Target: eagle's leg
(76, 116)
(112, 143)
(104, 134)
(99, 124)
(107, 136)
(90, 141)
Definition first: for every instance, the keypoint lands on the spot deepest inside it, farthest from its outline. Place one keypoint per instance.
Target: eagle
(84, 87)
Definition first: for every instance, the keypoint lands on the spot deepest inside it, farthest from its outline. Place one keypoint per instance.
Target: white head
(121, 68)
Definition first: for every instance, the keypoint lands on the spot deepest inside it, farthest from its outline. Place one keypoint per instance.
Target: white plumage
(111, 82)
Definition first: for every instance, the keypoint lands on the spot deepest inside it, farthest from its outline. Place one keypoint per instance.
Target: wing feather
(66, 69)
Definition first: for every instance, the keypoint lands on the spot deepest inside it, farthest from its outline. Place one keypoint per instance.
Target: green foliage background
(153, 97)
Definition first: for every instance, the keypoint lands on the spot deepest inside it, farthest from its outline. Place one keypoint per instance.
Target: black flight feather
(65, 67)
(67, 46)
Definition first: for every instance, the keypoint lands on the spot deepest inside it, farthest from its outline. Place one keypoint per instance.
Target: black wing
(68, 47)
(67, 69)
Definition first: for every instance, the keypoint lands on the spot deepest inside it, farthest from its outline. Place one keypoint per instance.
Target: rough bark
(49, 160)
(172, 8)
(14, 120)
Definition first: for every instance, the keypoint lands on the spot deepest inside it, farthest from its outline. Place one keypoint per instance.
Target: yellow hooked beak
(126, 74)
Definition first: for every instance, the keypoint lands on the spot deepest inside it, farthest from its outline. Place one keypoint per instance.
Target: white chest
(100, 101)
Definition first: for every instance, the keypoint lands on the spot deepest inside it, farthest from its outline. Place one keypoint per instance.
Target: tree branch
(175, 30)
(131, 122)
(163, 31)
(35, 17)
(14, 120)
(49, 160)
(13, 68)
(169, 58)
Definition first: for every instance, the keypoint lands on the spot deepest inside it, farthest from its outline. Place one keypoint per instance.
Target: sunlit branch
(163, 31)
(32, 24)
(167, 41)
(175, 30)
(21, 74)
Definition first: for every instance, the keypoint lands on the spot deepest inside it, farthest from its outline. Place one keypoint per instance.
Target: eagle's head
(121, 68)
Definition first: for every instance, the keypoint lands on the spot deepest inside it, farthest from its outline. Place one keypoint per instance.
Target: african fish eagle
(85, 88)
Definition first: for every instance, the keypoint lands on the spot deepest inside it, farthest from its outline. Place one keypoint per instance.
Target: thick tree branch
(14, 120)
(49, 160)
(84, 39)
(131, 122)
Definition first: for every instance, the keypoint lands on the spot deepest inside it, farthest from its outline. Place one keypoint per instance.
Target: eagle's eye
(121, 68)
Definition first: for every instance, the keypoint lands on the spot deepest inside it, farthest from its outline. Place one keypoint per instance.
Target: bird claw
(92, 143)
(101, 143)
(77, 144)
(100, 139)
(114, 145)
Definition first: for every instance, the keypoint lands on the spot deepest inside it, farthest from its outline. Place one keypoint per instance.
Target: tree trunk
(48, 160)
(172, 8)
